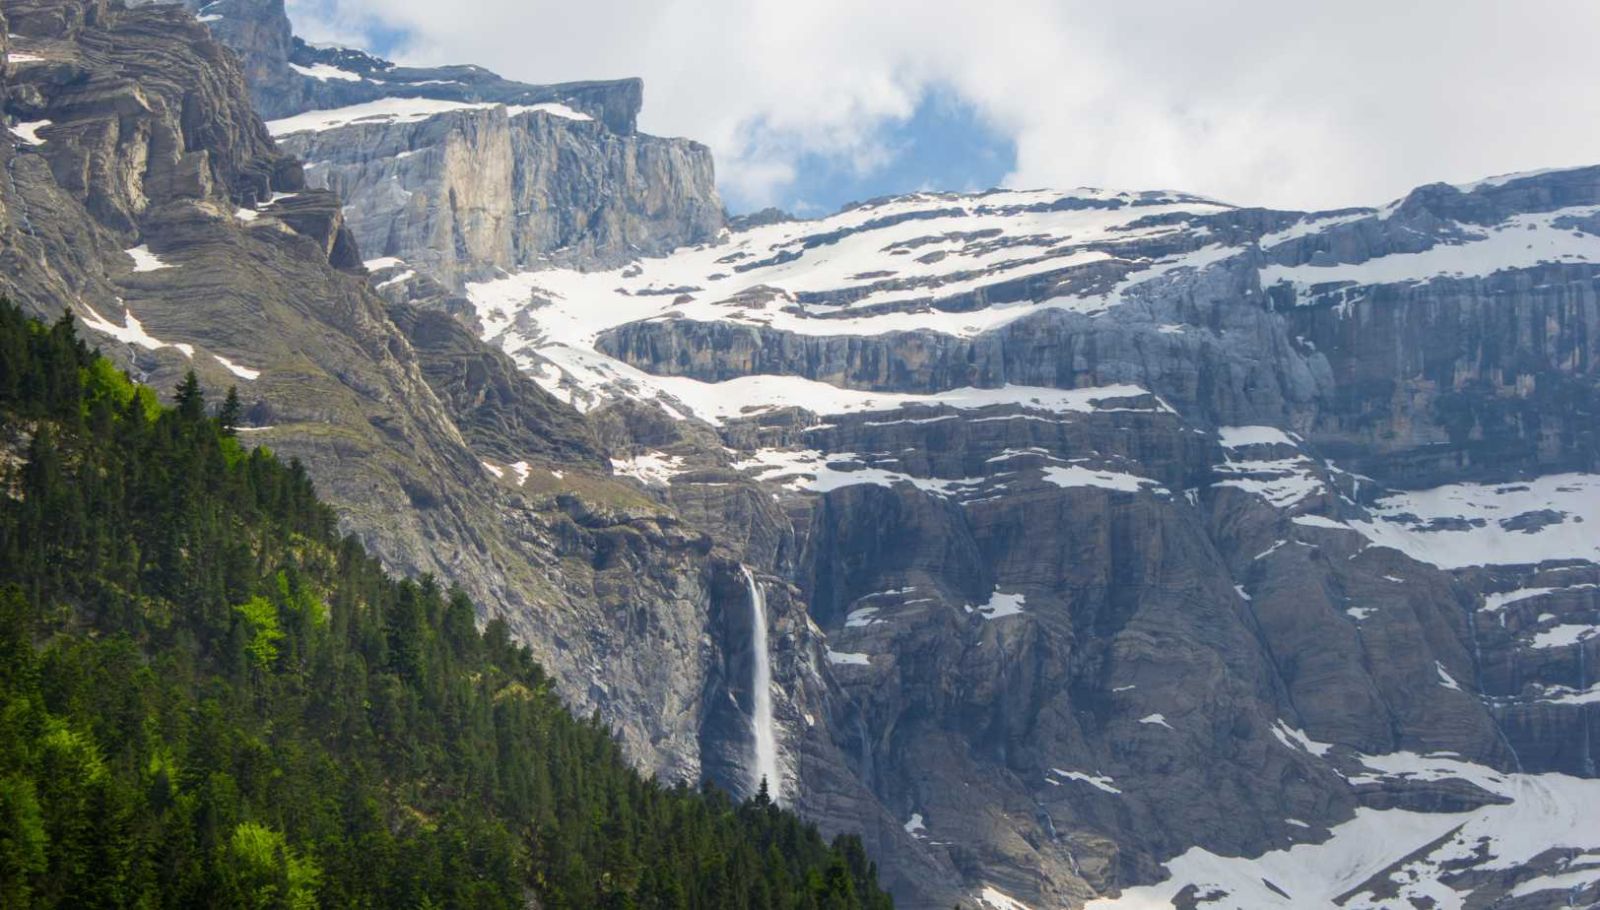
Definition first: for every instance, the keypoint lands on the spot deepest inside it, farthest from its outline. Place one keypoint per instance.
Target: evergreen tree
(189, 399)
(209, 698)
(232, 410)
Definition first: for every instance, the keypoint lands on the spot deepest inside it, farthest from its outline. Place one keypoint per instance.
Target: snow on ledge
(325, 72)
(1098, 781)
(240, 371)
(651, 468)
(1418, 850)
(851, 658)
(1068, 476)
(554, 109)
(131, 332)
(999, 900)
(1000, 605)
(384, 110)
(1239, 437)
(28, 131)
(146, 261)
(1471, 524)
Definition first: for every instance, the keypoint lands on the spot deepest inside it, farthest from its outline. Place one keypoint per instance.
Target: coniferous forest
(211, 699)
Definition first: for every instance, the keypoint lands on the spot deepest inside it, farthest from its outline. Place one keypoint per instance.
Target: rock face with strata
(1142, 531)
(460, 172)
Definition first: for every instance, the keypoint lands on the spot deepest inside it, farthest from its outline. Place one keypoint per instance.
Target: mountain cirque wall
(1152, 540)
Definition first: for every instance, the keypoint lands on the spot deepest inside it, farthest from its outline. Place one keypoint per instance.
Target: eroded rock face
(1134, 523)
(466, 192)
(460, 172)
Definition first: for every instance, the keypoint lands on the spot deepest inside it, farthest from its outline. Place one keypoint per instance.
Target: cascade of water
(1583, 709)
(1489, 701)
(765, 765)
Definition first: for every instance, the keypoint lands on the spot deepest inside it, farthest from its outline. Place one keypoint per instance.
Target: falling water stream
(765, 766)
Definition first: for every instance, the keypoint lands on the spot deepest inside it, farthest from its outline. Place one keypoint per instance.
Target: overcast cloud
(1263, 102)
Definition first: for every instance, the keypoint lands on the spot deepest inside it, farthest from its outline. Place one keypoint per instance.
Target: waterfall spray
(765, 766)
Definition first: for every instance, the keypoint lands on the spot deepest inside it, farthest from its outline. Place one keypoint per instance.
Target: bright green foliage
(210, 699)
(262, 633)
(270, 873)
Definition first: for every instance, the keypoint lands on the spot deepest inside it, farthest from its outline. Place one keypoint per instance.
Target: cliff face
(1141, 531)
(461, 172)
(468, 191)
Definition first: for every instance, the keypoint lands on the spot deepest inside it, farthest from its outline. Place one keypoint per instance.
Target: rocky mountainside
(1124, 549)
(1142, 534)
(460, 173)
(144, 194)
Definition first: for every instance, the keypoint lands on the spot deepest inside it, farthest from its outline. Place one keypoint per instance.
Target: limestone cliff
(461, 172)
(1141, 530)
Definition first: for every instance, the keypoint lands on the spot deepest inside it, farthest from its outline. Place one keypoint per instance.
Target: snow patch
(653, 468)
(552, 108)
(1000, 605)
(1239, 437)
(325, 72)
(1445, 679)
(1098, 781)
(1297, 739)
(131, 332)
(146, 261)
(1416, 849)
(383, 110)
(1068, 476)
(852, 658)
(235, 369)
(999, 900)
(28, 131)
(1471, 524)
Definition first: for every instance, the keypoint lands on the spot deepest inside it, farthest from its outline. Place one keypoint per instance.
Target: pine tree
(232, 410)
(190, 400)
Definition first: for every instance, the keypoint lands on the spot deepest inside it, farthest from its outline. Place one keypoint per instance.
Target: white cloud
(1257, 102)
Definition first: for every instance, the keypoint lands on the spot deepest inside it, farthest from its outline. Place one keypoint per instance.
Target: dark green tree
(189, 399)
(231, 411)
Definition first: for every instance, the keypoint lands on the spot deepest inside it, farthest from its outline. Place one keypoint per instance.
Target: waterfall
(1583, 709)
(1490, 703)
(765, 766)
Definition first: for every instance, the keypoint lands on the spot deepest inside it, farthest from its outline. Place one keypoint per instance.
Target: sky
(808, 104)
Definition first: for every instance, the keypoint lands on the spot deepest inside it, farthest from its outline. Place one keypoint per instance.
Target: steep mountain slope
(212, 699)
(143, 194)
(1139, 526)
